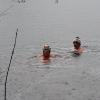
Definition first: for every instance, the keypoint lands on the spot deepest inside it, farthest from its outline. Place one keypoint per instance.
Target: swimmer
(77, 46)
(47, 52)
(46, 55)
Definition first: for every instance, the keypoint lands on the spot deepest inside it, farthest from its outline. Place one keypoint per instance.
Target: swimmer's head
(77, 43)
(46, 50)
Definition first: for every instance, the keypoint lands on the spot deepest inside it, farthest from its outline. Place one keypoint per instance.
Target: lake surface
(56, 22)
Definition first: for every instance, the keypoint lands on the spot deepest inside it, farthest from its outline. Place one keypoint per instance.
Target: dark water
(56, 23)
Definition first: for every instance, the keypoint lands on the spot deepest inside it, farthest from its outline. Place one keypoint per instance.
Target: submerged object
(76, 53)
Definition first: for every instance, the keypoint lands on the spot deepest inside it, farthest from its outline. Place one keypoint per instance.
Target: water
(55, 22)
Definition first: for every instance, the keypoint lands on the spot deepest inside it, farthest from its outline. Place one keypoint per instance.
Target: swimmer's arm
(32, 57)
(40, 56)
(55, 55)
(36, 56)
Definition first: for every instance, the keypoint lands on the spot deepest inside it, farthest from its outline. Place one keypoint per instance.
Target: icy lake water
(56, 22)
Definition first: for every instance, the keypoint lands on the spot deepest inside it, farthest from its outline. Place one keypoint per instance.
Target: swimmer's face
(46, 52)
(76, 45)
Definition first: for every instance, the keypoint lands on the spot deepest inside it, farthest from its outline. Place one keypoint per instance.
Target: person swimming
(77, 46)
(46, 52)
(77, 43)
